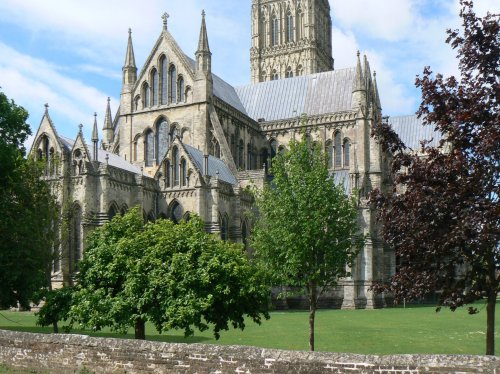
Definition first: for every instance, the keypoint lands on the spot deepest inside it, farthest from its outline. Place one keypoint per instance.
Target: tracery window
(183, 172)
(223, 224)
(149, 148)
(275, 30)
(289, 73)
(289, 27)
(154, 90)
(300, 24)
(172, 74)
(338, 150)
(175, 162)
(146, 95)
(274, 75)
(164, 80)
(347, 150)
(161, 139)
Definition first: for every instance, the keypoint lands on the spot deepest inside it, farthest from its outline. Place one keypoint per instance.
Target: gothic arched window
(241, 150)
(347, 149)
(274, 148)
(161, 139)
(176, 212)
(154, 82)
(146, 95)
(167, 173)
(183, 172)
(338, 150)
(182, 97)
(175, 162)
(172, 73)
(149, 148)
(274, 75)
(275, 30)
(300, 24)
(289, 27)
(329, 153)
(164, 79)
(289, 73)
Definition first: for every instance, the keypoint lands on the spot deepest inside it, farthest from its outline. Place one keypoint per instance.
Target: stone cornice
(329, 120)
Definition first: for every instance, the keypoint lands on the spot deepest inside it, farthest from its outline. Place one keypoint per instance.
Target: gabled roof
(314, 94)
(113, 160)
(412, 131)
(216, 167)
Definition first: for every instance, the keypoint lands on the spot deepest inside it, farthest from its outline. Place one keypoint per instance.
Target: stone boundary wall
(58, 354)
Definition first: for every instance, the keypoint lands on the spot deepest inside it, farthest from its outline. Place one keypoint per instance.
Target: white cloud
(345, 47)
(33, 82)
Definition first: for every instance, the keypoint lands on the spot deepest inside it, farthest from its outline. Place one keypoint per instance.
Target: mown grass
(415, 329)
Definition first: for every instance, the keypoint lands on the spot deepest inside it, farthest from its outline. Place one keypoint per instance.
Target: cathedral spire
(95, 137)
(375, 91)
(129, 68)
(359, 87)
(203, 54)
(108, 125)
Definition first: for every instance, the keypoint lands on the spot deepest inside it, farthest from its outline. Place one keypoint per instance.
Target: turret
(203, 75)
(129, 68)
(359, 88)
(203, 54)
(95, 138)
(107, 129)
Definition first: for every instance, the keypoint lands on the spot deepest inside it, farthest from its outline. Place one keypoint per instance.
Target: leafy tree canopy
(306, 230)
(443, 213)
(28, 213)
(175, 276)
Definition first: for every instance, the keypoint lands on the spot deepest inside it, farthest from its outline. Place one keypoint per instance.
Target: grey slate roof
(313, 94)
(411, 130)
(114, 160)
(222, 89)
(214, 165)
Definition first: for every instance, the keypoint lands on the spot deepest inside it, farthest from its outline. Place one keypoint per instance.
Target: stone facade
(185, 141)
(61, 354)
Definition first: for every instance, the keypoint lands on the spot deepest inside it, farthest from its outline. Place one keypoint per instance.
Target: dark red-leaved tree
(443, 214)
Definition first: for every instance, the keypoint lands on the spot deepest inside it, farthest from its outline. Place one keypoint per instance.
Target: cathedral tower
(290, 38)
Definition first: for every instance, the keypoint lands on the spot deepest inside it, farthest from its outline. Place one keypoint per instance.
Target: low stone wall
(71, 353)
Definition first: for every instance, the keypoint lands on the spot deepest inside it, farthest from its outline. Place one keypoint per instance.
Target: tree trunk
(490, 323)
(312, 313)
(140, 329)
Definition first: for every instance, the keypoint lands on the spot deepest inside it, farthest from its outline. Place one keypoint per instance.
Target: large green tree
(443, 213)
(307, 232)
(28, 212)
(176, 276)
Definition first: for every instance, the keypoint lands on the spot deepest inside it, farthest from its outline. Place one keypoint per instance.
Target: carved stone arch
(337, 148)
(124, 209)
(154, 79)
(186, 135)
(175, 211)
(346, 152)
(113, 210)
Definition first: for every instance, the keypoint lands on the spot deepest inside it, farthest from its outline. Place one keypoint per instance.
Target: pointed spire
(80, 129)
(108, 122)
(129, 69)
(129, 56)
(95, 137)
(108, 132)
(359, 82)
(46, 109)
(203, 41)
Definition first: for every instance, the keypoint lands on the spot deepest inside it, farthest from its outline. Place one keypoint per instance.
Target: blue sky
(69, 53)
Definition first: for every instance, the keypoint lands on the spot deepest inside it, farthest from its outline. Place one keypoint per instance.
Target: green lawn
(384, 331)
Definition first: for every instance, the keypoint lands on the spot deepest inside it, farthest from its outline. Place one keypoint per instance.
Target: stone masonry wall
(60, 354)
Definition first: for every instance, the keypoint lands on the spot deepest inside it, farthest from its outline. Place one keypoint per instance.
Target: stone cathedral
(185, 141)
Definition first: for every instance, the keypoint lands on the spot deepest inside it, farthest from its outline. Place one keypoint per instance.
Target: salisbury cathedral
(185, 141)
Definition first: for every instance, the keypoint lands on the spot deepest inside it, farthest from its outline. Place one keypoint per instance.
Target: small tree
(175, 276)
(443, 216)
(306, 229)
(28, 212)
